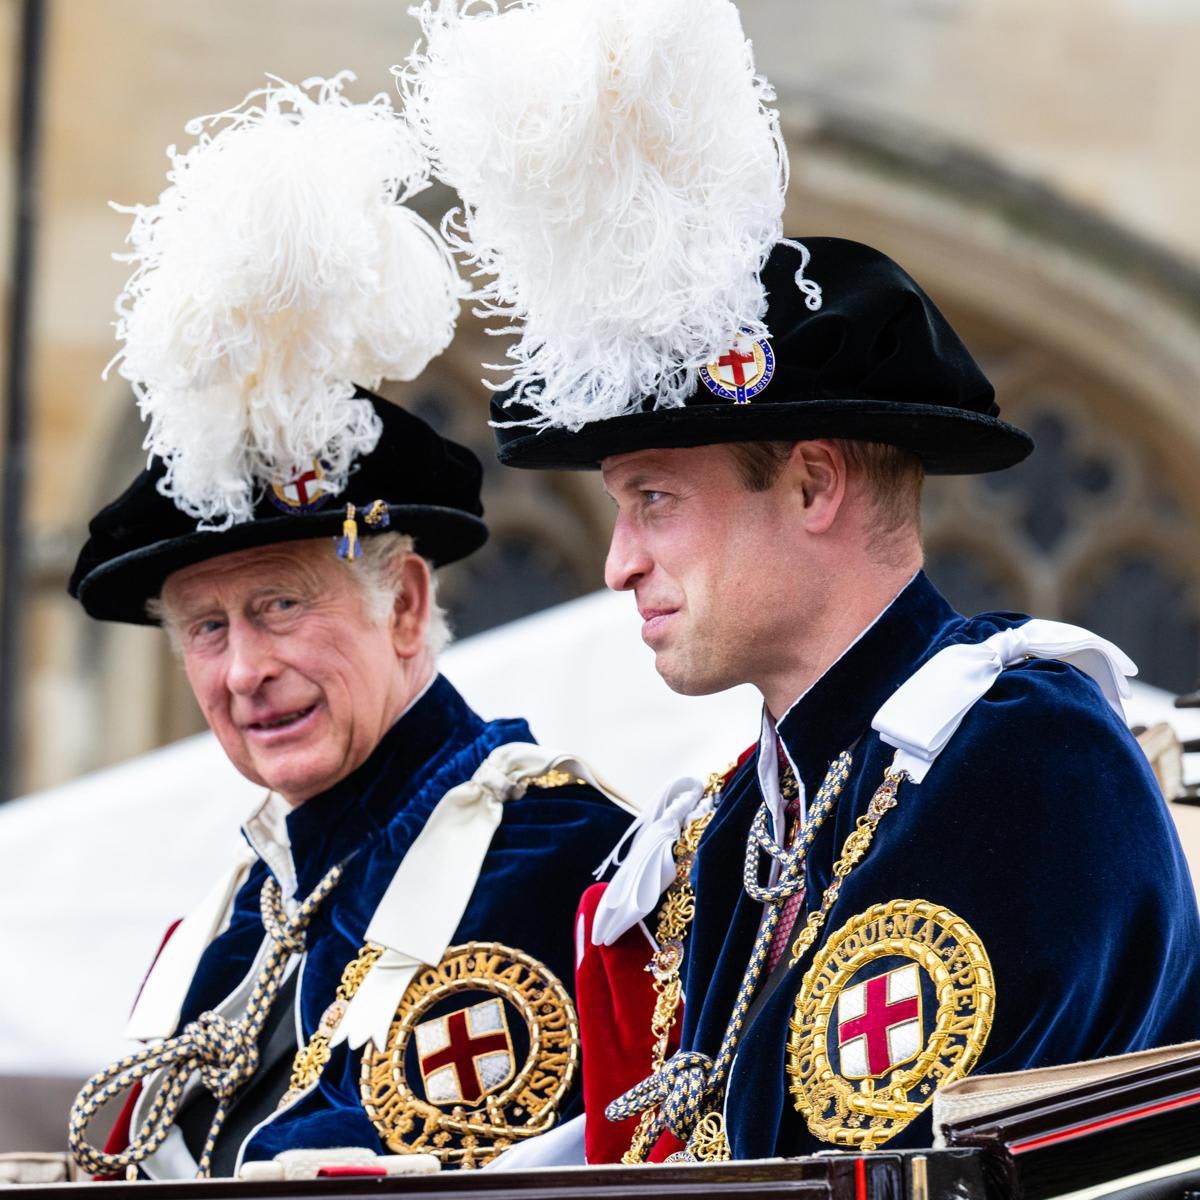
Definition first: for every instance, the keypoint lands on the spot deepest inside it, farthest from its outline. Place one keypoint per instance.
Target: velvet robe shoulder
(539, 862)
(1040, 825)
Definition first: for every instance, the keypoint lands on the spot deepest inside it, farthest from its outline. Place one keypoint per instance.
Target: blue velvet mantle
(1040, 825)
(540, 861)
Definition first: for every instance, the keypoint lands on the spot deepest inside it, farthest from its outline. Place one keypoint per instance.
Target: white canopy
(92, 873)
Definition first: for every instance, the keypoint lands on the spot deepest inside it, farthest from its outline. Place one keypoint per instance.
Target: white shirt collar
(768, 777)
(768, 764)
(266, 831)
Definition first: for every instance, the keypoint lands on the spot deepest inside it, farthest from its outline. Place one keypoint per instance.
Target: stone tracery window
(1090, 529)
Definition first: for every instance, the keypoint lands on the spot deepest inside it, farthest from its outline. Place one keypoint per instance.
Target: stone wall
(1035, 164)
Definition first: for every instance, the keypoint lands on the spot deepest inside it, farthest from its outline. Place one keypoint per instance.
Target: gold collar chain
(709, 1142)
(674, 919)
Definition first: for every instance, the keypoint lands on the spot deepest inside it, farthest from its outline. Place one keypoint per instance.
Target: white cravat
(924, 713)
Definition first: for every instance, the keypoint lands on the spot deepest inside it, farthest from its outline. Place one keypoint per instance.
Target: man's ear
(816, 471)
(410, 612)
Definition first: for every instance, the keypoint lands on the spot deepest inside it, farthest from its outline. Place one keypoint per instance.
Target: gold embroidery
(312, 1058)
(708, 1142)
(471, 1135)
(878, 1104)
(674, 918)
(554, 779)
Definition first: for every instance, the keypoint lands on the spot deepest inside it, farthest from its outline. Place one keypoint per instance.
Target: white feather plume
(279, 268)
(622, 179)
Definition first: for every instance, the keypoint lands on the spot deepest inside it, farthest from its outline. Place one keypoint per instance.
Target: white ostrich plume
(622, 181)
(278, 269)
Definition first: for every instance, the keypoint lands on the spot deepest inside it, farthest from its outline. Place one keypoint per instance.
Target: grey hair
(377, 554)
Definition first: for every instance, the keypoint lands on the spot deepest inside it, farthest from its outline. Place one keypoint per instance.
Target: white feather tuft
(278, 269)
(622, 180)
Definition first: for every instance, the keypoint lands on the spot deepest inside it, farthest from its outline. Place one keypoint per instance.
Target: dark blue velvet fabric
(539, 863)
(1040, 825)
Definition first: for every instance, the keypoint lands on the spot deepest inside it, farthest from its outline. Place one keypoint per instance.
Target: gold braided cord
(312, 1058)
(223, 1052)
(687, 1090)
(708, 1141)
(857, 843)
(674, 919)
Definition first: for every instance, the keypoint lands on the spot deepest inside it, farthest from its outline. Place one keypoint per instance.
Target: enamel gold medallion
(480, 1055)
(899, 1001)
(305, 491)
(742, 371)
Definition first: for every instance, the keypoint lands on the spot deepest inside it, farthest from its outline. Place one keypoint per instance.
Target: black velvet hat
(876, 361)
(428, 485)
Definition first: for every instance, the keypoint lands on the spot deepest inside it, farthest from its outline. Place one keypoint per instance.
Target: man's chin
(684, 682)
(295, 781)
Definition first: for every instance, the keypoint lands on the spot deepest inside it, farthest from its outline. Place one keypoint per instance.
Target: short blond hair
(893, 477)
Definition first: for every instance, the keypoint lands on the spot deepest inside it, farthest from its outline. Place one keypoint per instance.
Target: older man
(389, 968)
(413, 868)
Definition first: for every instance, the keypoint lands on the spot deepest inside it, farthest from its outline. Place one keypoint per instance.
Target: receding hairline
(293, 560)
(299, 561)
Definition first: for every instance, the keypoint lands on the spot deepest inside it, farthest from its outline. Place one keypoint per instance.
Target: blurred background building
(1035, 165)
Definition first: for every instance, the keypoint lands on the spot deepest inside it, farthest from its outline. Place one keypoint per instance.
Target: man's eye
(652, 497)
(206, 630)
(279, 606)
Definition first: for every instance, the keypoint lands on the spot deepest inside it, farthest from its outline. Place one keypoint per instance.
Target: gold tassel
(348, 543)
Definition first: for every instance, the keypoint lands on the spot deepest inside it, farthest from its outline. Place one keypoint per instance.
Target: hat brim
(117, 590)
(948, 441)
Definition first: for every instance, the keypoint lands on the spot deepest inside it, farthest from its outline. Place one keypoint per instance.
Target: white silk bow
(425, 901)
(924, 713)
(649, 864)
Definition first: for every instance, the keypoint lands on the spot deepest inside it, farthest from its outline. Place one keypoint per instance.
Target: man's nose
(628, 560)
(251, 658)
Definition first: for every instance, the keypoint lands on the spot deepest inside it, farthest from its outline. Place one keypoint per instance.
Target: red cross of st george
(461, 1054)
(300, 482)
(878, 1017)
(735, 361)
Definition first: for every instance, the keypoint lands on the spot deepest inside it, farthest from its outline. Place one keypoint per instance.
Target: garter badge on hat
(742, 371)
(899, 1001)
(278, 280)
(480, 1055)
(304, 491)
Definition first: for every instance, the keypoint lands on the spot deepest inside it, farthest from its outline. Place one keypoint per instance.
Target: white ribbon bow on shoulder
(425, 901)
(649, 865)
(924, 713)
